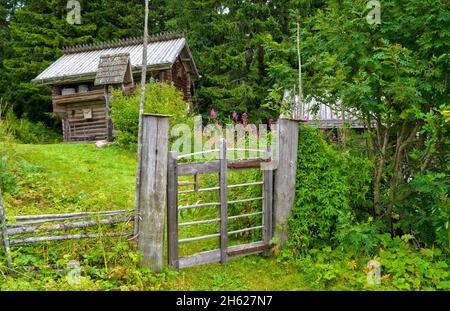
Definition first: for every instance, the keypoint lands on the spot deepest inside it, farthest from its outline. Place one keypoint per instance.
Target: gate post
(172, 212)
(285, 177)
(153, 190)
(4, 233)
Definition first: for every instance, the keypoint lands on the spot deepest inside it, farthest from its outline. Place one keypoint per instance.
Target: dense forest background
(236, 45)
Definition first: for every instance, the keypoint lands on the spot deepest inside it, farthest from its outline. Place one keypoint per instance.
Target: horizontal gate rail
(188, 155)
(180, 208)
(214, 255)
(201, 222)
(188, 169)
(197, 153)
(246, 200)
(218, 188)
(203, 237)
(245, 230)
(184, 207)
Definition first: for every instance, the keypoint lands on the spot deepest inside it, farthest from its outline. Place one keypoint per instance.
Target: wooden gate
(177, 169)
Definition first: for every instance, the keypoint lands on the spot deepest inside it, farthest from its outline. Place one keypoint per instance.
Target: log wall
(77, 127)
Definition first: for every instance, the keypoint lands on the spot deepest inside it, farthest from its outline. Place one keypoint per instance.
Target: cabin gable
(81, 76)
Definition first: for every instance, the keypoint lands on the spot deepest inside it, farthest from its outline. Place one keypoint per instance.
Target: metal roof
(81, 63)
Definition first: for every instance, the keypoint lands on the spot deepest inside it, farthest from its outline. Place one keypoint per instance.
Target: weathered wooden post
(223, 176)
(4, 231)
(109, 124)
(153, 190)
(268, 203)
(172, 212)
(285, 177)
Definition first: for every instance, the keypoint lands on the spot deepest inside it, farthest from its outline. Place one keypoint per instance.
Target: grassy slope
(83, 178)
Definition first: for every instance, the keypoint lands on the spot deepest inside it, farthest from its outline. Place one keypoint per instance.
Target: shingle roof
(80, 63)
(112, 69)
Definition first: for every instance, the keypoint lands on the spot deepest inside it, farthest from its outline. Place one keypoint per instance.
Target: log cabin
(82, 77)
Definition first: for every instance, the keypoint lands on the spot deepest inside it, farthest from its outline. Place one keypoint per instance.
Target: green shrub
(424, 209)
(406, 268)
(402, 267)
(24, 131)
(329, 185)
(160, 98)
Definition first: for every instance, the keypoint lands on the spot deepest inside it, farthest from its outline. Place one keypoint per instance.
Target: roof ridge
(115, 43)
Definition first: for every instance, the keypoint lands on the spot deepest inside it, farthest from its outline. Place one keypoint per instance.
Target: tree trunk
(383, 140)
(141, 112)
(403, 141)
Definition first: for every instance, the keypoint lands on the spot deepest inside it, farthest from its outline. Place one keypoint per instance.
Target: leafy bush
(329, 183)
(358, 237)
(408, 269)
(402, 267)
(160, 98)
(424, 209)
(24, 131)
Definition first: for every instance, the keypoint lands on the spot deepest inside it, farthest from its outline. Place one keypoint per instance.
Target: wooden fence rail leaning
(33, 228)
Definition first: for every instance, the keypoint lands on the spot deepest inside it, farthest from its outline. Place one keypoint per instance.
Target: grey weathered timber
(69, 225)
(50, 217)
(285, 177)
(223, 202)
(172, 211)
(153, 190)
(267, 208)
(5, 237)
(114, 69)
(188, 169)
(245, 164)
(196, 182)
(109, 125)
(215, 255)
(68, 237)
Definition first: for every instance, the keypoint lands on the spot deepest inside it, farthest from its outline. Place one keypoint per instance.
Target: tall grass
(22, 130)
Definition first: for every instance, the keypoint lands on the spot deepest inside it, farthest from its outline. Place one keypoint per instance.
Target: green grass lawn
(68, 178)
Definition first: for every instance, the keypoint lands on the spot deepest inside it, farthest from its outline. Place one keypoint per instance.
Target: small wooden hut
(82, 78)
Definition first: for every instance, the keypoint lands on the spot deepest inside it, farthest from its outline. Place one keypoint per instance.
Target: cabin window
(87, 113)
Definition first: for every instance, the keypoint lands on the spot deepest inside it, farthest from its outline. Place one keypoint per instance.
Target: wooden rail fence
(157, 194)
(29, 229)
